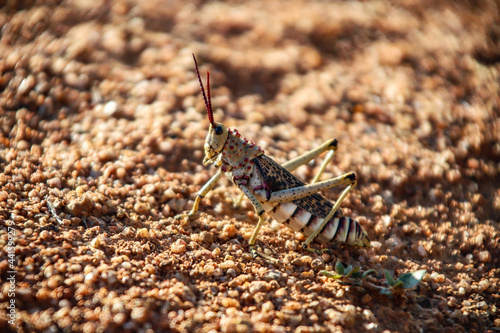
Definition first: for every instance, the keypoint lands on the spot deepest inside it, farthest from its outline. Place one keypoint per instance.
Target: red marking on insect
(246, 159)
(264, 187)
(242, 178)
(231, 147)
(223, 168)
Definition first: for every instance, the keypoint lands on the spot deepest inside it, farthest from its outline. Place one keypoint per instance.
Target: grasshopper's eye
(218, 130)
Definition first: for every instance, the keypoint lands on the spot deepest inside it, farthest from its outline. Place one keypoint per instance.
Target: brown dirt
(102, 131)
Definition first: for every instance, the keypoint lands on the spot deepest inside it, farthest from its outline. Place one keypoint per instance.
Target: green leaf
(410, 280)
(398, 284)
(352, 270)
(330, 275)
(339, 268)
(357, 275)
(389, 278)
(368, 272)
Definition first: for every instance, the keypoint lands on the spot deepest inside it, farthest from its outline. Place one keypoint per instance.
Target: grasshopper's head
(215, 141)
(217, 133)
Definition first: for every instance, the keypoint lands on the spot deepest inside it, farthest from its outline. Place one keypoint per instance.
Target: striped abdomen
(341, 229)
(307, 214)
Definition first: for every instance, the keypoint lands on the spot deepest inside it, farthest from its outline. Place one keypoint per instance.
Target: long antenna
(208, 102)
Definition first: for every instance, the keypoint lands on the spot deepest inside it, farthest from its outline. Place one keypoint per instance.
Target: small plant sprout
(352, 275)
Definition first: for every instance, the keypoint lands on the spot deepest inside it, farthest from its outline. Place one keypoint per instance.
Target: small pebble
(273, 275)
(268, 306)
(421, 250)
(366, 299)
(230, 302)
(139, 315)
(143, 233)
(484, 256)
(179, 246)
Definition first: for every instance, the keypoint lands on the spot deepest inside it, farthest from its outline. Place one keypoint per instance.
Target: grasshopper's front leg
(201, 194)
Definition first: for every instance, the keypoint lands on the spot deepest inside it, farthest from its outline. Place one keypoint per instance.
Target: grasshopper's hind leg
(343, 229)
(332, 212)
(340, 230)
(348, 179)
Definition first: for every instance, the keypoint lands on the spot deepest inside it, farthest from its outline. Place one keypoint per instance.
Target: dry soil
(102, 127)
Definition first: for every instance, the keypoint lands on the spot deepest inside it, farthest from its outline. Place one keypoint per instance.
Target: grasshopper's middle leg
(260, 213)
(330, 145)
(201, 194)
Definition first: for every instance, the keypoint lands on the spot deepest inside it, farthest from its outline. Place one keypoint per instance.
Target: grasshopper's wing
(278, 178)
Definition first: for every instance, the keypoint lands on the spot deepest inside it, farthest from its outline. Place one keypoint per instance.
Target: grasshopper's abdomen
(340, 229)
(305, 214)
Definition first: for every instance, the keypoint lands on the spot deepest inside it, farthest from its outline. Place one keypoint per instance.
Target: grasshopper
(273, 189)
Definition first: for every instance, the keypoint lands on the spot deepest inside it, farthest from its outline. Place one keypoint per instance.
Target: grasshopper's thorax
(229, 146)
(238, 151)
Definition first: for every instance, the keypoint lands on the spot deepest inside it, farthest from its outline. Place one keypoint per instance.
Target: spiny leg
(330, 145)
(327, 160)
(201, 194)
(260, 213)
(253, 240)
(295, 193)
(292, 194)
(330, 215)
(237, 202)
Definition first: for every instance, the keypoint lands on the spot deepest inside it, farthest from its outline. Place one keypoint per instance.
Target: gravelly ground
(102, 131)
